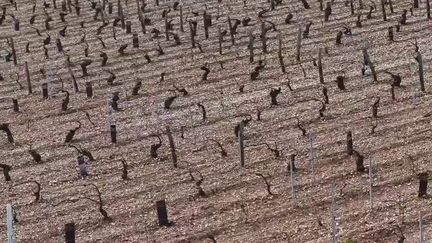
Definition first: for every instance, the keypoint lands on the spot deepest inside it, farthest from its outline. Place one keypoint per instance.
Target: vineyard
(251, 121)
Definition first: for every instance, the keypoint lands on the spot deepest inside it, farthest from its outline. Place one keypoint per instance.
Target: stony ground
(237, 207)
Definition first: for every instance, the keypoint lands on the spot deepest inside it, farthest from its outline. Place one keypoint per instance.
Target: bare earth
(237, 207)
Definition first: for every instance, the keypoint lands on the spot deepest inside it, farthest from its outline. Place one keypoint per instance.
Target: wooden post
(172, 146)
(15, 105)
(45, 90)
(135, 41)
(280, 56)
(263, 37)
(162, 213)
(370, 185)
(128, 27)
(192, 34)
(27, 73)
(231, 30)
(206, 25)
(383, 10)
(251, 47)
(113, 132)
(390, 33)
(320, 67)
(349, 142)
(359, 161)
(299, 35)
(419, 59)
(423, 182)
(428, 9)
(70, 232)
(110, 8)
(13, 52)
(241, 144)
(421, 228)
(166, 27)
(120, 14)
(16, 24)
(391, 6)
(89, 89)
(181, 19)
(10, 224)
(370, 64)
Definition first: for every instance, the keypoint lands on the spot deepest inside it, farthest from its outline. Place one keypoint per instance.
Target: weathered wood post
(162, 213)
(181, 19)
(370, 186)
(15, 61)
(135, 41)
(231, 31)
(207, 24)
(251, 47)
(383, 10)
(69, 232)
(421, 227)
(128, 27)
(113, 131)
(89, 89)
(110, 8)
(220, 38)
(390, 33)
(263, 37)
(16, 24)
(359, 162)
(172, 146)
(15, 105)
(45, 91)
(10, 224)
(320, 67)
(419, 59)
(423, 182)
(428, 9)
(166, 26)
(241, 143)
(299, 38)
(280, 56)
(192, 34)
